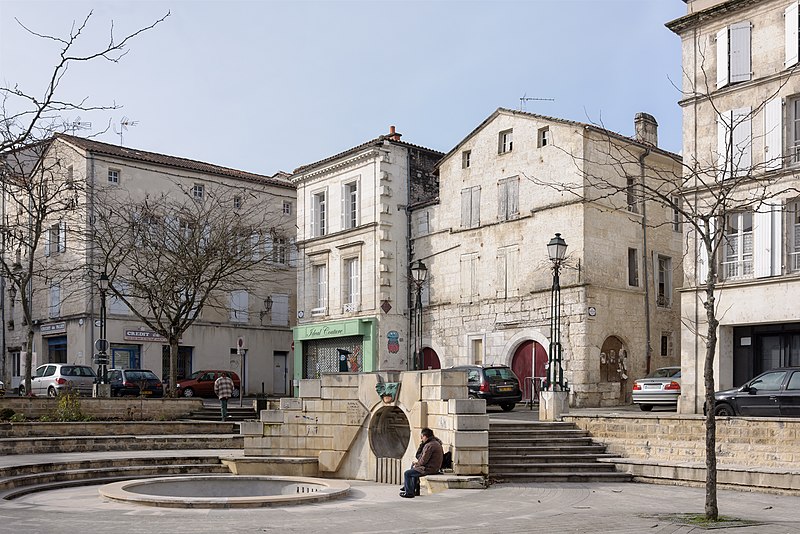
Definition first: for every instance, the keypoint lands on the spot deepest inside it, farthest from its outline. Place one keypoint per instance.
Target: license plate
(505, 388)
(147, 392)
(652, 386)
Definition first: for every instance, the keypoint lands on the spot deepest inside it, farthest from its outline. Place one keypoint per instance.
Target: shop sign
(143, 335)
(324, 331)
(53, 328)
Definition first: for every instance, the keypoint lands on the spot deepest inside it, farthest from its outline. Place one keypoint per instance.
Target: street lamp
(557, 250)
(102, 342)
(418, 273)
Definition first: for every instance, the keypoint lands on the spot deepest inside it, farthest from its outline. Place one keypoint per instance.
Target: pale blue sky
(265, 85)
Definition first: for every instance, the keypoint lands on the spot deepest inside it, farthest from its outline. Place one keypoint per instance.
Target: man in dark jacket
(429, 462)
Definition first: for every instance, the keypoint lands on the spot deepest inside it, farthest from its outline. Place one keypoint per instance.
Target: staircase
(235, 413)
(547, 452)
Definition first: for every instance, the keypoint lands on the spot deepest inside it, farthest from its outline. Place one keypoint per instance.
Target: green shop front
(335, 347)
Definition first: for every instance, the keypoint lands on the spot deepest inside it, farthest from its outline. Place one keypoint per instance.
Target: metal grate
(322, 356)
(389, 471)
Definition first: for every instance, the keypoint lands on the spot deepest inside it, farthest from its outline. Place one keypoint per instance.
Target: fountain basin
(224, 491)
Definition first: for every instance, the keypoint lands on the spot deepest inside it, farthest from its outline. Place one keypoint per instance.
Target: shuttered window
(240, 306)
(280, 309)
(738, 246)
(351, 284)
(767, 234)
(773, 135)
(734, 143)
(319, 215)
(508, 198)
(115, 304)
(320, 289)
(55, 300)
(792, 22)
(733, 54)
(507, 261)
(471, 207)
(469, 277)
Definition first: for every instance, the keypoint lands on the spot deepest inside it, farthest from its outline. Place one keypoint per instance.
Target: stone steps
(212, 413)
(65, 444)
(560, 477)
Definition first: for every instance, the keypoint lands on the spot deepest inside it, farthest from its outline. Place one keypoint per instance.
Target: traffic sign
(101, 345)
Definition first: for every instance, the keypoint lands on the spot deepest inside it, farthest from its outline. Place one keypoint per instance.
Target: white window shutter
(723, 140)
(777, 238)
(512, 259)
(473, 274)
(47, 241)
(773, 133)
(792, 22)
(268, 247)
(742, 141)
(62, 236)
(466, 209)
(502, 280)
(344, 218)
(426, 291)
(502, 200)
(722, 57)
(476, 206)
(762, 241)
(293, 252)
(703, 260)
(740, 52)
(280, 309)
(513, 197)
(314, 207)
(465, 280)
(254, 246)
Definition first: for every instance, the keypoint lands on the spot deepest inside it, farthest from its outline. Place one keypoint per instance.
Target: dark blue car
(775, 393)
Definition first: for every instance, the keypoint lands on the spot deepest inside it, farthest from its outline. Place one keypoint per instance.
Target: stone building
(740, 125)
(65, 311)
(504, 191)
(353, 248)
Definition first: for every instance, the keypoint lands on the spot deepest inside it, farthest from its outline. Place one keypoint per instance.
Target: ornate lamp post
(418, 273)
(557, 250)
(102, 342)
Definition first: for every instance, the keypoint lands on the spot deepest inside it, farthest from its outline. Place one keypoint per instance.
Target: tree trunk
(711, 509)
(173, 365)
(29, 358)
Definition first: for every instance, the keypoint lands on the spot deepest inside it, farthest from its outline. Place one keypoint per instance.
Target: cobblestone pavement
(370, 508)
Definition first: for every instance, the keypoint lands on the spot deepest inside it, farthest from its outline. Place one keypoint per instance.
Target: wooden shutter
(740, 52)
(742, 141)
(355, 284)
(502, 200)
(702, 254)
(465, 277)
(502, 279)
(513, 197)
(723, 142)
(762, 241)
(280, 309)
(268, 247)
(475, 217)
(314, 215)
(62, 236)
(773, 133)
(254, 246)
(47, 241)
(466, 207)
(292, 252)
(722, 57)
(792, 22)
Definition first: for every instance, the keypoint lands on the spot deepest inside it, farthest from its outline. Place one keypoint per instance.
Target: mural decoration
(394, 341)
(388, 391)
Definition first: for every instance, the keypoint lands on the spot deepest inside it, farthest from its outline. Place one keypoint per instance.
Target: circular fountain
(224, 491)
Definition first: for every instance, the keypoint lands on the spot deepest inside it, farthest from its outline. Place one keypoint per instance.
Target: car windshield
(77, 370)
(141, 375)
(194, 375)
(499, 373)
(665, 372)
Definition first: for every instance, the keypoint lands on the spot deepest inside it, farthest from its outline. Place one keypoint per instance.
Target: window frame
(287, 207)
(320, 288)
(466, 156)
(505, 141)
(663, 276)
(319, 213)
(198, 192)
(543, 137)
(471, 206)
(351, 204)
(735, 254)
(508, 198)
(351, 282)
(633, 267)
(113, 176)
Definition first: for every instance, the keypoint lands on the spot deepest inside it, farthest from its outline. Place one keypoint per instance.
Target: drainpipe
(91, 222)
(409, 254)
(649, 345)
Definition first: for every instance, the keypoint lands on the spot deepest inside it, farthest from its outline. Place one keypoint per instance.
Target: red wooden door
(430, 360)
(522, 366)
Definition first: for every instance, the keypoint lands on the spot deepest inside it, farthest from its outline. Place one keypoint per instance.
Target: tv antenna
(123, 127)
(525, 98)
(77, 124)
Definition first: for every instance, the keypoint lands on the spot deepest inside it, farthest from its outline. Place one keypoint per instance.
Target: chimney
(394, 136)
(646, 128)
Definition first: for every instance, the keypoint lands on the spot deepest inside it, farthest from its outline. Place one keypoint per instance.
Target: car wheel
(725, 410)
(21, 390)
(188, 392)
(235, 393)
(645, 407)
(51, 392)
(507, 406)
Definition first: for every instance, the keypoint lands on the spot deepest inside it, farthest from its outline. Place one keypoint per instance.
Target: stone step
(501, 477)
(53, 444)
(527, 434)
(214, 414)
(522, 425)
(496, 459)
(539, 441)
(552, 467)
(545, 449)
(114, 428)
(97, 463)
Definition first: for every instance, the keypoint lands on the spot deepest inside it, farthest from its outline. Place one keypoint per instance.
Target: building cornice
(701, 18)
(317, 173)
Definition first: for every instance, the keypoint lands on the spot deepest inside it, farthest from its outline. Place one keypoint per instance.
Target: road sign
(101, 359)
(101, 345)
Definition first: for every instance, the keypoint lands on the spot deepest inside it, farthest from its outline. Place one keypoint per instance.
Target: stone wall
(342, 421)
(741, 441)
(118, 408)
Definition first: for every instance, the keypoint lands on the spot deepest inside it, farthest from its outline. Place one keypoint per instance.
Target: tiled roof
(378, 141)
(122, 152)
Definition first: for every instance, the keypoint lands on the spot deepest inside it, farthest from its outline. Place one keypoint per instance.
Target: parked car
(497, 384)
(134, 382)
(53, 378)
(2, 388)
(201, 383)
(773, 393)
(662, 387)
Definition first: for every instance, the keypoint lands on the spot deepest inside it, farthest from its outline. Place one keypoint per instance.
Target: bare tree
(38, 190)
(172, 255)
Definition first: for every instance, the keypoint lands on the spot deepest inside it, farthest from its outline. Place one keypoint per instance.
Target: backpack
(447, 460)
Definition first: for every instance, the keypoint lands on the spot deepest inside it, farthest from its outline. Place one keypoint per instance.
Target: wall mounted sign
(53, 328)
(143, 335)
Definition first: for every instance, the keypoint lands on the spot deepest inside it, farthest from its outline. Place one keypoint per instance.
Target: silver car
(54, 378)
(662, 387)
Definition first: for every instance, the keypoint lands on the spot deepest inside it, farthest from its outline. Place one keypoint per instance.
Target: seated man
(428, 463)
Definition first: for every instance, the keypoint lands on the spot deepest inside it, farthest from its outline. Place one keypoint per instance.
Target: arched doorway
(614, 365)
(530, 355)
(430, 360)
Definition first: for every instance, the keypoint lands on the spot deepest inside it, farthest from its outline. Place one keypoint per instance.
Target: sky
(269, 85)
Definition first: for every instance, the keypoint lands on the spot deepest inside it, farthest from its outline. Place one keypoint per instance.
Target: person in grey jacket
(429, 462)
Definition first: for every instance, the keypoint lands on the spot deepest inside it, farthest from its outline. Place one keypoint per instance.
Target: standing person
(428, 463)
(223, 387)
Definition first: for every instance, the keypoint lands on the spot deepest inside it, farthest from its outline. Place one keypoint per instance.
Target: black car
(497, 384)
(134, 382)
(775, 393)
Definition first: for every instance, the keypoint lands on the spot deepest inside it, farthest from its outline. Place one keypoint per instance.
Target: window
(55, 238)
(318, 214)
(287, 207)
(734, 140)
(350, 205)
(676, 214)
(543, 137)
(117, 305)
(794, 229)
(240, 309)
(632, 194)
(198, 191)
(633, 267)
(320, 281)
(16, 363)
(279, 247)
(508, 198)
(792, 22)
(351, 286)
(471, 207)
(505, 142)
(423, 222)
(55, 300)
(664, 344)
(733, 54)
(237, 202)
(507, 261)
(113, 176)
(469, 277)
(738, 246)
(465, 159)
(476, 346)
(793, 137)
(280, 309)
(70, 177)
(664, 281)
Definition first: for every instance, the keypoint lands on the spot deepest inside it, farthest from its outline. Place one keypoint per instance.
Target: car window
(206, 377)
(472, 375)
(768, 381)
(50, 370)
(39, 371)
(88, 371)
(193, 376)
(665, 372)
(794, 381)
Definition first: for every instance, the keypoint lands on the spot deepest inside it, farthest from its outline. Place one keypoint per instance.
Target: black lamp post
(418, 273)
(557, 250)
(102, 342)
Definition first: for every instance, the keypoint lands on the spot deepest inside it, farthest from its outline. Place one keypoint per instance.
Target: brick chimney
(394, 136)
(646, 128)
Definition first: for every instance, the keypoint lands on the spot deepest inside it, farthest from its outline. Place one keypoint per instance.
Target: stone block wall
(741, 441)
(128, 409)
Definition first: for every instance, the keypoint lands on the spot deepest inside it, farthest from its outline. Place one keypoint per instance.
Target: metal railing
(531, 387)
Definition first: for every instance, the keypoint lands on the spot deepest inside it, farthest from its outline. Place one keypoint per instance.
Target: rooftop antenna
(77, 124)
(525, 98)
(123, 126)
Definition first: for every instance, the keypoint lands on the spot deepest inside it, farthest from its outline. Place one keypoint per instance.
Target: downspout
(90, 226)
(649, 345)
(409, 253)
(3, 359)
